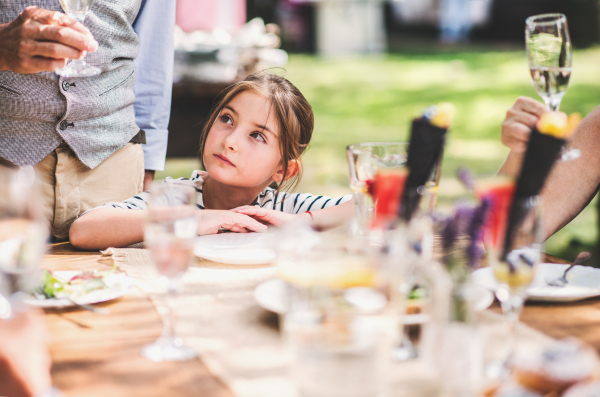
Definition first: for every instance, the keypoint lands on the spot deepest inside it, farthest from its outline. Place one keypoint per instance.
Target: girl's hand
(210, 221)
(272, 217)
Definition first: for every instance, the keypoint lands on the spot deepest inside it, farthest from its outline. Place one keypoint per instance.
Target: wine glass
(514, 264)
(550, 59)
(23, 237)
(549, 54)
(364, 160)
(77, 10)
(169, 233)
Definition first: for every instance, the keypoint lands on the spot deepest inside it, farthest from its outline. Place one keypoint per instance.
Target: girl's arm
(108, 227)
(116, 227)
(326, 218)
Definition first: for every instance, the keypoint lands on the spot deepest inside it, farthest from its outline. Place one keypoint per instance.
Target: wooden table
(97, 355)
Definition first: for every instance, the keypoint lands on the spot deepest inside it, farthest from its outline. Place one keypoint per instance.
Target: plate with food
(583, 282)
(236, 248)
(69, 288)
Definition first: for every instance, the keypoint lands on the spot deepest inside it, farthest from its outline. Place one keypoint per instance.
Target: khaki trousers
(68, 188)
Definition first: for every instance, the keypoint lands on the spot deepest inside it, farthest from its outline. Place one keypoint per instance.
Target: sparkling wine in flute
(551, 83)
(549, 53)
(77, 9)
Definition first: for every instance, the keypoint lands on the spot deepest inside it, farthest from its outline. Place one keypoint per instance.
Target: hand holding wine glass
(550, 56)
(77, 9)
(42, 40)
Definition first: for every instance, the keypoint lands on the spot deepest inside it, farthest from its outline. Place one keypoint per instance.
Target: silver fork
(98, 310)
(561, 281)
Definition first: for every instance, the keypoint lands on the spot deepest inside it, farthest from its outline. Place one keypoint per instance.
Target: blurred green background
(374, 99)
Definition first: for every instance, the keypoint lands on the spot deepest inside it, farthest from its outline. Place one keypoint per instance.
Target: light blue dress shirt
(155, 24)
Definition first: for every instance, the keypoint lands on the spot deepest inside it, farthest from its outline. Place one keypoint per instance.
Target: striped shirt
(291, 203)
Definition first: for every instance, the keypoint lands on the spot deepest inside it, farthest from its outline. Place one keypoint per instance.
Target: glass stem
(553, 102)
(79, 17)
(512, 308)
(171, 317)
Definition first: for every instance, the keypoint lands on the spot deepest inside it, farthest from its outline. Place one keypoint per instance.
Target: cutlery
(561, 281)
(98, 310)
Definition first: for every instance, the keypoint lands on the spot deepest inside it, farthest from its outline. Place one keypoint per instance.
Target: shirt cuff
(155, 149)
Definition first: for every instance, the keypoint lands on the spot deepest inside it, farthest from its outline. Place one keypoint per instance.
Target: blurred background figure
(455, 20)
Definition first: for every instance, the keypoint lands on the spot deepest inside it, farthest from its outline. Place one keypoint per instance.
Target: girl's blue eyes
(256, 135)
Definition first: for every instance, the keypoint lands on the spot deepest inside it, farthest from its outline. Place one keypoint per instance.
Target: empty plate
(236, 248)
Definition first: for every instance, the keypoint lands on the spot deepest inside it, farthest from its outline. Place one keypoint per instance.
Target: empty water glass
(170, 231)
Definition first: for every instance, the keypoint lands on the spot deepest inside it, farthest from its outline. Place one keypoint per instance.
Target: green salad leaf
(50, 285)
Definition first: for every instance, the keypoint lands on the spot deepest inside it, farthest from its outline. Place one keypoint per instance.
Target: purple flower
(466, 221)
(466, 177)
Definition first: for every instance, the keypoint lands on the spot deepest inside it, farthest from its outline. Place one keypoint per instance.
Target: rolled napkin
(545, 143)
(427, 138)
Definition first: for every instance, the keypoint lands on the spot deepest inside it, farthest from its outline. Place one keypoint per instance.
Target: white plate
(272, 295)
(584, 282)
(236, 248)
(118, 284)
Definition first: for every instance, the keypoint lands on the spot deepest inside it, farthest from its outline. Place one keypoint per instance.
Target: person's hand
(520, 120)
(210, 221)
(24, 359)
(42, 40)
(148, 179)
(271, 217)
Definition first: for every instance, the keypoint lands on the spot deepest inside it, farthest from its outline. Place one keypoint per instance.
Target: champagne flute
(77, 10)
(169, 233)
(550, 62)
(550, 56)
(515, 271)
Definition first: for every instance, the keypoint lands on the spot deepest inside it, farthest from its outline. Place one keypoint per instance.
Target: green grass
(374, 99)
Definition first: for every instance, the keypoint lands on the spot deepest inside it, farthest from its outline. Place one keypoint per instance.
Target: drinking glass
(364, 160)
(77, 10)
(341, 320)
(23, 237)
(169, 233)
(515, 271)
(549, 54)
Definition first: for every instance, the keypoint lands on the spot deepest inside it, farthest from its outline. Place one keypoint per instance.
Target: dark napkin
(542, 152)
(424, 149)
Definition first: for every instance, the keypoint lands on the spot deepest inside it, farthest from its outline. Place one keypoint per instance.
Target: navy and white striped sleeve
(138, 202)
(301, 202)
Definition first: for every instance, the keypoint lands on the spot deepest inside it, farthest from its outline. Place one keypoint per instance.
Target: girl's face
(242, 147)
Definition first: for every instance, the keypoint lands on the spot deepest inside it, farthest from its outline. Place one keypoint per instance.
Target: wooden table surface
(95, 355)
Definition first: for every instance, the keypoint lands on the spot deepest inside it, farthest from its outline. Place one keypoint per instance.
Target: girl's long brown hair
(293, 115)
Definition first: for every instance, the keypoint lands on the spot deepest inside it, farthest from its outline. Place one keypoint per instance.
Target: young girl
(251, 148)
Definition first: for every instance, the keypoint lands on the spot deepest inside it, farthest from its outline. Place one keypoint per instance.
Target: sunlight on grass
(374, 99)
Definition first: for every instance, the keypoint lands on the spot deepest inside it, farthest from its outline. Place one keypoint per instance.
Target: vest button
(63, 125)
(65, 85)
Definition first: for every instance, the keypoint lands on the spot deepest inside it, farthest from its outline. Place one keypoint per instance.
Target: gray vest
(93, 115)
